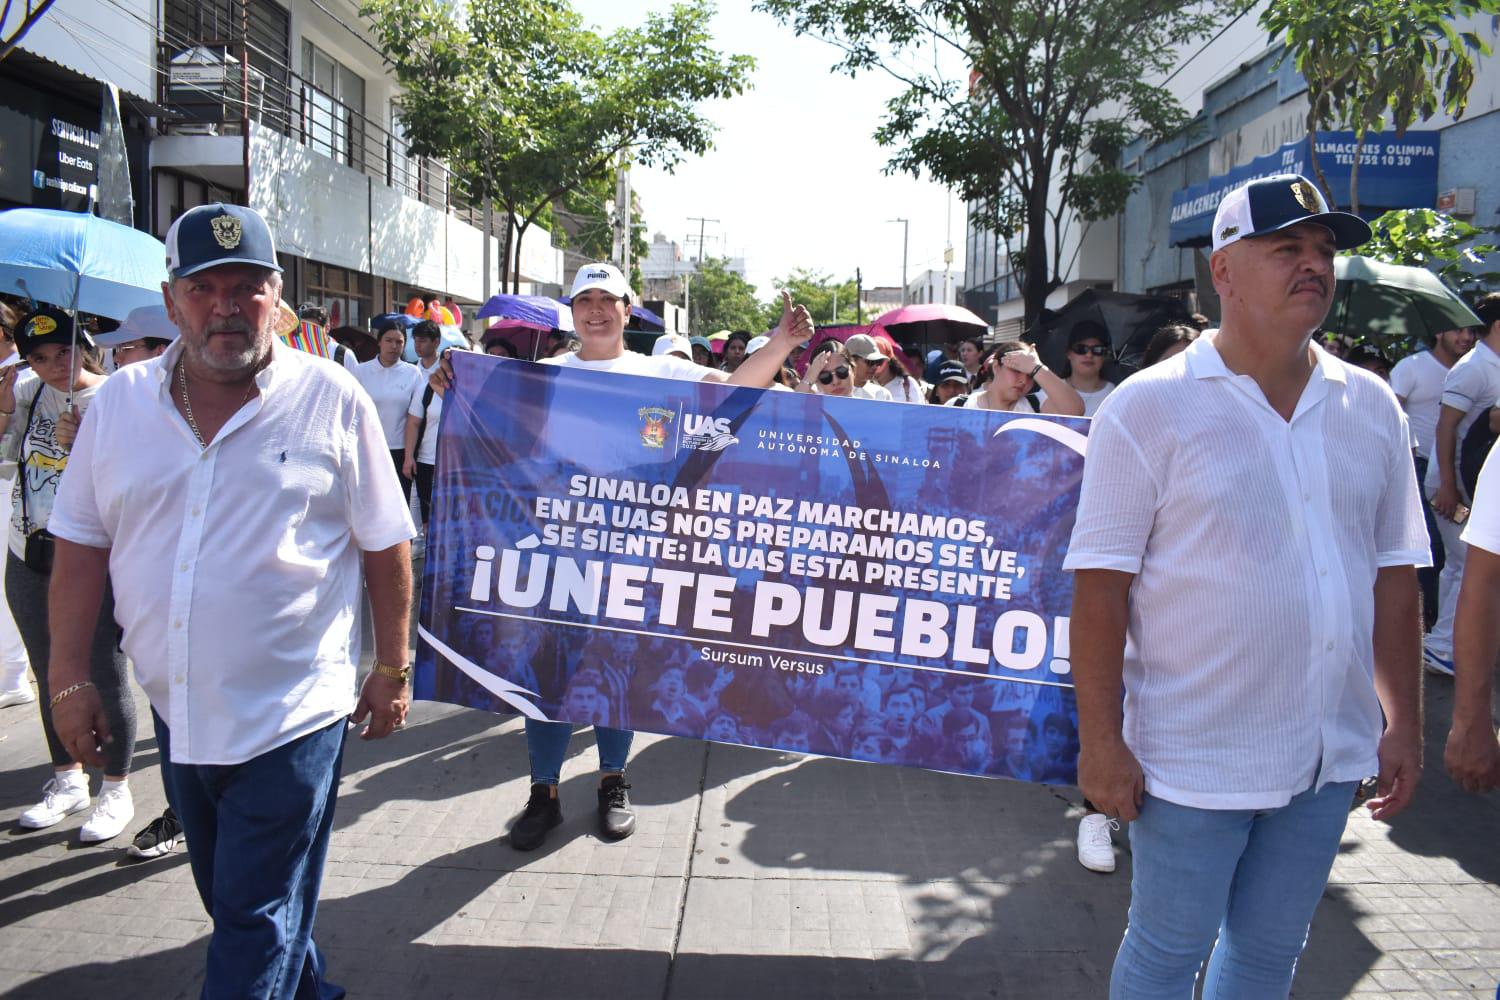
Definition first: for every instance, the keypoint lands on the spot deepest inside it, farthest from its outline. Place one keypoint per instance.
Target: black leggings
(398, 456)
(26, 589)
(424, 491)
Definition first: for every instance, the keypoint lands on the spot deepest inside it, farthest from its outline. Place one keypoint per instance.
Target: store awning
(1394, 173)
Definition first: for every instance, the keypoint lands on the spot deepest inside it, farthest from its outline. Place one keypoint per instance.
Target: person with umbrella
(15, 689)
(1088, 350)
(39, 421)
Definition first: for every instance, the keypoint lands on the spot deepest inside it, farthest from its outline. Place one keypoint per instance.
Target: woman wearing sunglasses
(1088, 350)
(830, 372)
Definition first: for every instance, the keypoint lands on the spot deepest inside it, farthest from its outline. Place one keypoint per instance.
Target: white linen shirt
(236, 567)
(1254, 541)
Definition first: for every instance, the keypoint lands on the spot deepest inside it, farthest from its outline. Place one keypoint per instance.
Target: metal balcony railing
(205, 88)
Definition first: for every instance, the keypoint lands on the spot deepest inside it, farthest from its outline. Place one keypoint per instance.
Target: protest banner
(843, 577)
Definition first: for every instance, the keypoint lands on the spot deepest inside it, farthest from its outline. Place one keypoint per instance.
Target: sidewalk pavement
(752, 874)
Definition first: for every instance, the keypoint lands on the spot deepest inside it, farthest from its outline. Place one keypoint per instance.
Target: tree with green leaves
(1032, 139)
(1421, 237)
(830, 302)
(720, 299)
(1372, 62)
(526, 103)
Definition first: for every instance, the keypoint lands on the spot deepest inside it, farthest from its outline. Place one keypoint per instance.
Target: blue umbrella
(80, 262)
(645, 319)
(537, 310)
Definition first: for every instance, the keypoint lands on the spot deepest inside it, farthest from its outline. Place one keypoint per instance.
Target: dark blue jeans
(257, 835)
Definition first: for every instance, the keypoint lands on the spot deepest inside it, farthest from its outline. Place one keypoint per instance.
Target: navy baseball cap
(1261, 207)
(953, 371)
(211, 235)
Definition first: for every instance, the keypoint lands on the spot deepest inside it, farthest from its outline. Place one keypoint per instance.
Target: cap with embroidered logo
(215, 234)
(47, 325)
(1270, 204)
(605, 277)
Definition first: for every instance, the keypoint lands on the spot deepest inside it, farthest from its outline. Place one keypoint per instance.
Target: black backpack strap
(427, 394)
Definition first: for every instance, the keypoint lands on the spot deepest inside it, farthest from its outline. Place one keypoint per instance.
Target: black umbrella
(1128, 322)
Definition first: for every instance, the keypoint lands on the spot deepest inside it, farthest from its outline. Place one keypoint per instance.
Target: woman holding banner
(601, 306)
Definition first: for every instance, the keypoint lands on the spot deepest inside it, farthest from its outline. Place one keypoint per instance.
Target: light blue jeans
(547, 745)
(1241, 882)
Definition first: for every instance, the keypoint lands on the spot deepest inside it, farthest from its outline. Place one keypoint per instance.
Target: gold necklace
(187, 404)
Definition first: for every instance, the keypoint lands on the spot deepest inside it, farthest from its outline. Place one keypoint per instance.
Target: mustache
(229, 326)
(1318, 282)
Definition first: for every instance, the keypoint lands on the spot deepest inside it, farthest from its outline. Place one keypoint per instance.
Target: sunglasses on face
(841, 372)
(1097, 350)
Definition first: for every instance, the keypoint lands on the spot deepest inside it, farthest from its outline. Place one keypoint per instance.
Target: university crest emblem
(227, 231)
(654, 421)
(1306, 195)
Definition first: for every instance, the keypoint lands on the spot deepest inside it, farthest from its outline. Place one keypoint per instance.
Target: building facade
(282, 106)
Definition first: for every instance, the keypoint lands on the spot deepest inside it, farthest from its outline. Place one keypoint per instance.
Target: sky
(795, 178)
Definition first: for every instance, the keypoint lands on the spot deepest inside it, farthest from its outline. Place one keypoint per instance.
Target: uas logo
(654, 422)
(702, 433)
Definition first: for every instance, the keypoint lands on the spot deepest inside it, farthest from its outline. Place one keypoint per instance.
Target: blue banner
(841, 577)
(1394, 172)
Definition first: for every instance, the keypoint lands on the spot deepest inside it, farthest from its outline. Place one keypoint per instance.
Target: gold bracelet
(402, 674)
(56, 699)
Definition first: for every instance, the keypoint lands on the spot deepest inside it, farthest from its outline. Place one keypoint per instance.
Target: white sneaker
(22, 695)
(61, 797)
(111, 816)
(1096, 851)
(1435, 664)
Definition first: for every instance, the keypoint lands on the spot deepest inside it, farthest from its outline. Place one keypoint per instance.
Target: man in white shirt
(1244, 552)
(236, 544)
(1417, 381)
(1473, 753)
(866, 359)
(1470, 390)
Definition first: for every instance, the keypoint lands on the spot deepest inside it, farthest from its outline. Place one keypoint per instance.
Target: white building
(665, 269)
(312, 142)
(935, 286)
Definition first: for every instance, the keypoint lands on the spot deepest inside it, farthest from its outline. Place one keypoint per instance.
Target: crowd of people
(1250, 522)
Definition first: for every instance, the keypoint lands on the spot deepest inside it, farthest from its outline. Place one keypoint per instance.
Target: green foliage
(816, 290)
(1369, 60)
(719, 299)
(526, 103)
(1422, 237)
(1058, 90)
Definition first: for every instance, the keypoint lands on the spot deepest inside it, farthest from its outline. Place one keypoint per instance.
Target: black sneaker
(161, 835)
(542, 813)
(616, 818)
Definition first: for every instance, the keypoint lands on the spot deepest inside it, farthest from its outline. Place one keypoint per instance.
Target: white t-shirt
(391, 389)
(1417, 380)
(1091, 400)
(906, 389)
(1471, 385)
(872, 390)
(1483, 528)
(427, 447)
(979, 399)
(633, 363)
(40, 458)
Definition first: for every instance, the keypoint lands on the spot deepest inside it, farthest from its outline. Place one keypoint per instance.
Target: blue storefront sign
(1394, 172)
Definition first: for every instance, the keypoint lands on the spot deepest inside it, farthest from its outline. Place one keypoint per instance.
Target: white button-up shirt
(1249, 667)
(236, 568)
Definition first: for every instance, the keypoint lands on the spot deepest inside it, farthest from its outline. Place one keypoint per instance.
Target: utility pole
(702, 225)
(835, 317)
(859, 297)
(623, 228)
(905, 243)
(948, 296)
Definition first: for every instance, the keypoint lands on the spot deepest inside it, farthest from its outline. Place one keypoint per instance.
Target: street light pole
(905, 245)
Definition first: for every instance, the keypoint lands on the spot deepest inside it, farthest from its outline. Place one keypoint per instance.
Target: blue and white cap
(215, 234)
(1263, 206)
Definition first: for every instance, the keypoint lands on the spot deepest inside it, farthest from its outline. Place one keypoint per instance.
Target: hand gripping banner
(875, 581)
